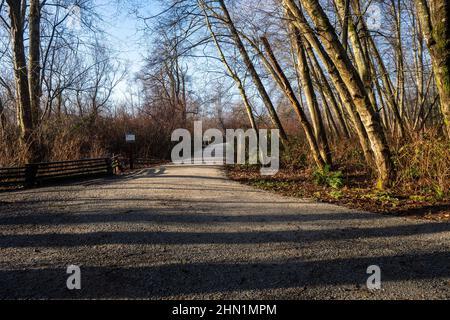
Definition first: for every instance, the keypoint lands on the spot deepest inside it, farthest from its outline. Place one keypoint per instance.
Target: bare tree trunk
(326, 107)
(383, 111)
(367, 43)
(359, 52)
(283, 82)
(232, 74)
(311, 99)
(24, 114)
(435, 21)
(328, 92)
(184, 101)
(345, 18)
(401, 83)
(356, 87)
(2, 117)
(251, 68)
(400, 57)
(388, 87)
(59, 103)
(274, 68)
(35, 60)
(311, 40)
(419, 66)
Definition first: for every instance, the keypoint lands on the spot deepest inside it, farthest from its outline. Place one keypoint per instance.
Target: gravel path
(187, 232)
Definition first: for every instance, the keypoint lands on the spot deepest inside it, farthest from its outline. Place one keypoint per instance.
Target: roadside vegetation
(421, 189)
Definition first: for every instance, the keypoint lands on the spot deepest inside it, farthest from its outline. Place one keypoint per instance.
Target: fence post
(30, 174)
(110, 166)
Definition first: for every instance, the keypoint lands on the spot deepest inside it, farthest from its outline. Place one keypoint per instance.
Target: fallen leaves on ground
(358, 193)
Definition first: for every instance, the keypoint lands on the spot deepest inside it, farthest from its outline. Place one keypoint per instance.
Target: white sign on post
(130, 138)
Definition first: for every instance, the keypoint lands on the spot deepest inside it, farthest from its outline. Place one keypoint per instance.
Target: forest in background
(359, 89)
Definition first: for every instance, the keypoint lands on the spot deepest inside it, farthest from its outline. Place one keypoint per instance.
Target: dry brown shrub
(423, 165)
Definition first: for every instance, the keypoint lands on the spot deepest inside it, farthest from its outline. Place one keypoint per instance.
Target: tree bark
(388, 87)
(328, 92)
(345, 17)
(285, 86)
(311, 40)
(35, 60)
(23, 106)
(357, 46)
(435, 22)
(369, 43)
(326, 107)
(311, 99)
(353, 81)
(232, 74)
(251, 68)
(2, 117)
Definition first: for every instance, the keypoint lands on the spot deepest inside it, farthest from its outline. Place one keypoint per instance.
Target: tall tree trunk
(35, 60)
(368, 47)
(184, 101)
(251, 68)
(435, 21)
(23, 106)
(311, 40)
(383, 112)
(360, 58)
(388, 87)
(311, 99)
(2, 117)
(350, 76)
(59, 103)
(345, 17)
(419, 67)
(400, 57)
(284, 84)
(232, 73)
(326, 107)
(328, 92)
(362, 34)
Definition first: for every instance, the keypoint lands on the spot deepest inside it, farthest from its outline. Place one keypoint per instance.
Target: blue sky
(125, 35)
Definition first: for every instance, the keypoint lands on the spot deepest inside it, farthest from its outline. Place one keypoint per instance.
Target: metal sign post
(130, 139)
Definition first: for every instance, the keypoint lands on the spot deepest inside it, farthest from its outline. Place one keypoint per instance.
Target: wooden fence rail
(38, 173)
(12, 176)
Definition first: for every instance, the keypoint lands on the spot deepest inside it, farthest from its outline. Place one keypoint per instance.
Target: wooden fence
(12, 176)
(37, 173)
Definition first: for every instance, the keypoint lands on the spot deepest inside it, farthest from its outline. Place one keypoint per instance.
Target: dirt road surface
(188, 232)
